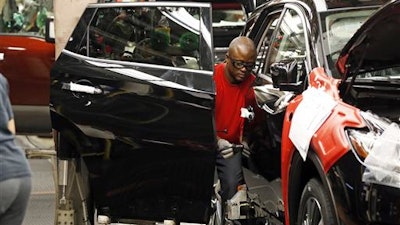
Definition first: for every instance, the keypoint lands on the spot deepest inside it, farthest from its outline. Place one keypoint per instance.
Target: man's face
(239, 65)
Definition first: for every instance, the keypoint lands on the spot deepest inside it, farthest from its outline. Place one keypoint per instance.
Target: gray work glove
(225, 148)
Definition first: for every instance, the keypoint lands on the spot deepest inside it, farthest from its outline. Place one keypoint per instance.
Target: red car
(26, 59)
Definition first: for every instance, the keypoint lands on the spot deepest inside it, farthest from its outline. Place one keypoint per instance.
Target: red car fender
(26, 64)
(329, 142)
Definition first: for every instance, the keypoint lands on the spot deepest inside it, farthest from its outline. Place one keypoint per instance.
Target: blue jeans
(14, 198)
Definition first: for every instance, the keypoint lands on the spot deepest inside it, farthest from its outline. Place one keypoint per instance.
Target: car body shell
(135, 123)
(330, 156)
(329, 143)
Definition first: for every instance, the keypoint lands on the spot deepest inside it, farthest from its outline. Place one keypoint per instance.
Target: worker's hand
(225, 148)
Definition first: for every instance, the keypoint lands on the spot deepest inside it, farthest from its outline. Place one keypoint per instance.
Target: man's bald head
(243, 46)
(240, 59)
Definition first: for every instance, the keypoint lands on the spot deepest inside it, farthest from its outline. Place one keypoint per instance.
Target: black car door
(133, 90)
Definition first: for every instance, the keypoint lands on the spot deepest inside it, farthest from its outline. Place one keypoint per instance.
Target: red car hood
(375, 45)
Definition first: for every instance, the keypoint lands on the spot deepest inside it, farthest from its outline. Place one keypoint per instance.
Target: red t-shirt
(230, 98)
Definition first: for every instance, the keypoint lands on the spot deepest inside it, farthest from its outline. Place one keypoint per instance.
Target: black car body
(132, 93)
(132, 109)
(296, 37)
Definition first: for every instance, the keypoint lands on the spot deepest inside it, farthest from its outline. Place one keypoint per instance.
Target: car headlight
(378, 149)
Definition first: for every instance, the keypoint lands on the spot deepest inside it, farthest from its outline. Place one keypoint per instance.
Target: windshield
(338, 26)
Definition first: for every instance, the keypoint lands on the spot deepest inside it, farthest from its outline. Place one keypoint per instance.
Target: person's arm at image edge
(11, 126)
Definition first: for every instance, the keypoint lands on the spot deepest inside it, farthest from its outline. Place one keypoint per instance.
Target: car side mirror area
(287, 76)
(50, 35)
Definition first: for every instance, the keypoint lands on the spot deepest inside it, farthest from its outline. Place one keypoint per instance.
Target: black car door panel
(140, 94)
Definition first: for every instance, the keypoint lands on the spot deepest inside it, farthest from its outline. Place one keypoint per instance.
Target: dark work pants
(230, 174)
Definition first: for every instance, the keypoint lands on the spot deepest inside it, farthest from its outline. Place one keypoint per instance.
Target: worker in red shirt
(234, 94)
